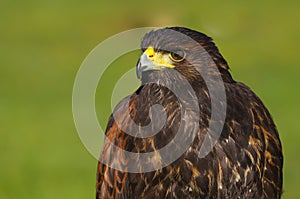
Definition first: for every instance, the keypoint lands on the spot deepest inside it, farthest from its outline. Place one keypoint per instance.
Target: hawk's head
(178, 49)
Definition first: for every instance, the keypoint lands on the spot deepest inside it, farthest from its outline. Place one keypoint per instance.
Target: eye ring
(177, 55)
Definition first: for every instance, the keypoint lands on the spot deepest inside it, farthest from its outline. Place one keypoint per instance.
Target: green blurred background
(43, 43)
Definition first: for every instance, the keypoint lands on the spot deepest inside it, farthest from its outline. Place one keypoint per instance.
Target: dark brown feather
(246, 161)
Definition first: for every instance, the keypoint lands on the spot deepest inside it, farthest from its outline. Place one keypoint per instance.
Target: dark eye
(177, 56)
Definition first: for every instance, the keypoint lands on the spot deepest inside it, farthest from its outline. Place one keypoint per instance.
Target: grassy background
(42, 44)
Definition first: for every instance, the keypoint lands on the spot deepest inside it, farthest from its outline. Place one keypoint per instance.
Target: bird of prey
(244, 161)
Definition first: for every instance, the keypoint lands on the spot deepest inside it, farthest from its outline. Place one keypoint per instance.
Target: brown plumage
(245, 162)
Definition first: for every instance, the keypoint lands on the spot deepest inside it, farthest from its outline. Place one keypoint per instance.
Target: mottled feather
(246, 161)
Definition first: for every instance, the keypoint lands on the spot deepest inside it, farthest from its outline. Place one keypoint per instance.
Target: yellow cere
(159, 59)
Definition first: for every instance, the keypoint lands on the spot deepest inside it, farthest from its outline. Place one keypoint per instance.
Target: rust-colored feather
(245, 162)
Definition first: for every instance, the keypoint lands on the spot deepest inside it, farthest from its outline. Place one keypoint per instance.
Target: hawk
(243, 160)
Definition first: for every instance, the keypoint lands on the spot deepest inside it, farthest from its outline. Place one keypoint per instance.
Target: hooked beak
(151, 60)
(143, 65)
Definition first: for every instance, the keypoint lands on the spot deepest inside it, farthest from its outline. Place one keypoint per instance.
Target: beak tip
(144, 64)
(138, 70)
